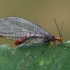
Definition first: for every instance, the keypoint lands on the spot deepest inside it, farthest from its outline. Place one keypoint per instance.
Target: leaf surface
(30, 57)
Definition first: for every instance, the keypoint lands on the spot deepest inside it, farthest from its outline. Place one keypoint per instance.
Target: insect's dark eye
(59, 40)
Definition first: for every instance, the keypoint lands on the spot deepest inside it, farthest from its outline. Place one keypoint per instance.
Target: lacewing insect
(24, 31)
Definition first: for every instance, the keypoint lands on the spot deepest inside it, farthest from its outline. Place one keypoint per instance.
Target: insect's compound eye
(60, 39)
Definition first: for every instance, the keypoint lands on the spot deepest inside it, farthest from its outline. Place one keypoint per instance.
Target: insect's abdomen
(29, 39)
(33, 38)
(19, 40)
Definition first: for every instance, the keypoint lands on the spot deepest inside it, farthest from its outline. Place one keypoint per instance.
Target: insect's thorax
(49, 38)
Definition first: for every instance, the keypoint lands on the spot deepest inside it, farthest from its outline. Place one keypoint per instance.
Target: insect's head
(58, 39)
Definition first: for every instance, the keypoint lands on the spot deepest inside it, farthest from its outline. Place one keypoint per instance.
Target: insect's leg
(27, 42)
(54, 43)
(45, 47)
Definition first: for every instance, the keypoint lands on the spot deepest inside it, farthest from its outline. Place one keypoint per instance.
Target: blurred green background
(41, 12)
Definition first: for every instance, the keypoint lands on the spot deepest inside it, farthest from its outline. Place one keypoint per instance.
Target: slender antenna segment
(61, 28)
(58, 28)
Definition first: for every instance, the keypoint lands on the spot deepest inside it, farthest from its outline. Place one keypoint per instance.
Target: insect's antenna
(58, 28)
(61, 28)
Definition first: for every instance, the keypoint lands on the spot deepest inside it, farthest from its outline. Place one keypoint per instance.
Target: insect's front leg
(45, 47)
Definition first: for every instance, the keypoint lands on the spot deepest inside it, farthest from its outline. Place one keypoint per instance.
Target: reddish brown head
(58, 39)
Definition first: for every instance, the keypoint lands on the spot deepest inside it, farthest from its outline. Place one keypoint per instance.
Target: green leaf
(30, 57)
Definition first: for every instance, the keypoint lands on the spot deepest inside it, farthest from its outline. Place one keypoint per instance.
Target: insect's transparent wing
(12, 35)
(13, 27)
